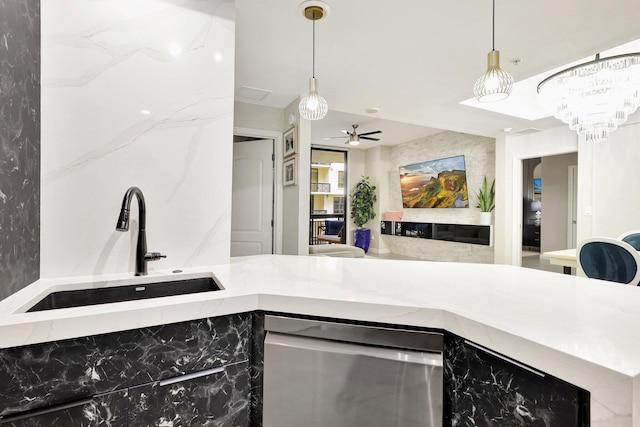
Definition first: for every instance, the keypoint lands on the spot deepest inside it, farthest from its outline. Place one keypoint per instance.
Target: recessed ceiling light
(372, 110)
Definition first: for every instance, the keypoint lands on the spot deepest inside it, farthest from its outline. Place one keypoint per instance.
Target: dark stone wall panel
(19, 144)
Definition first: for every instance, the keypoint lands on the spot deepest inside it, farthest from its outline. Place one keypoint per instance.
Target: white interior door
(252, 200)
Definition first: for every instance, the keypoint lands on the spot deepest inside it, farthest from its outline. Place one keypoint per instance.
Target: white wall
(355, 171)
(377, 161)
(295, 237)
(609, 181)
(103, 63)
(254, 116)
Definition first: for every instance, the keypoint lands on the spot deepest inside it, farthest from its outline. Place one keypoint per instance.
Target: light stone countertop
(584, 331)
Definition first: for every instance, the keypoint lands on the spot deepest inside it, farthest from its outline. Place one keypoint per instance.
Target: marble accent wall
(479, 154)
(136, 93)
(19, 144)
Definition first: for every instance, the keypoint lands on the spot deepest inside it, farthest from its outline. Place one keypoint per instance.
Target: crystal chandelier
(495, 84)
(596, 97)
(313, 106)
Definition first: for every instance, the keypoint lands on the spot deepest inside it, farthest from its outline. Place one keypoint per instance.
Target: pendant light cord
(493, 28)
(313, 48)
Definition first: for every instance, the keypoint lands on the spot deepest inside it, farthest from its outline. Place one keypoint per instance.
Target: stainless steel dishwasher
(329, 374)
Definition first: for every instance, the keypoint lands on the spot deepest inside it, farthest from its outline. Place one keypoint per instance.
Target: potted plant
(362, 197)
(486, 201)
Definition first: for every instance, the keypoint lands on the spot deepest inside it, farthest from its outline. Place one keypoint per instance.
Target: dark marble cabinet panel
(482, 389)
(216, 400)
(257, 368)
(48, 374)
(105, 410)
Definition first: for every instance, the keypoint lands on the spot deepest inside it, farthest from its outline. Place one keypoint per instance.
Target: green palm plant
(363, 197)
(487, 196)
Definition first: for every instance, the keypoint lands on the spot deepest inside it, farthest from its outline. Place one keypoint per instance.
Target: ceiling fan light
(313, 106)
(354, 139)
(495, 84)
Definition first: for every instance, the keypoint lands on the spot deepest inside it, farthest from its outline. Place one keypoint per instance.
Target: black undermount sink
(94, 296)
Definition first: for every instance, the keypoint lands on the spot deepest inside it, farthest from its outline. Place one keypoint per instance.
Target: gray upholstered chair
(632, 238)
(609, 259)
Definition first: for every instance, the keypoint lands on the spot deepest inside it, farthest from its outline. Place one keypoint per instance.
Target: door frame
(572, 198)
(277, 178)
(346, 213)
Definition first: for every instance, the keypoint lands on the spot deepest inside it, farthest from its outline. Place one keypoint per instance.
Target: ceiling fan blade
(333, 137)
(370, 139)
(346, 132)
(370, 133)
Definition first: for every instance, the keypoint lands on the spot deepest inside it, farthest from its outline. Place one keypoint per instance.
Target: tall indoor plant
(486, 201)
(363, 197)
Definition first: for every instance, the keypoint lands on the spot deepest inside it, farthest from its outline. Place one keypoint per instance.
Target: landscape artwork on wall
(438, 183)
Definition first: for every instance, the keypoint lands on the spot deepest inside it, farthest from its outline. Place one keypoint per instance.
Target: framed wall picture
(290, 142)
(290, 171)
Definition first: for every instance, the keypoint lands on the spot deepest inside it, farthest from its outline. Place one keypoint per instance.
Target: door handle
(194, 375)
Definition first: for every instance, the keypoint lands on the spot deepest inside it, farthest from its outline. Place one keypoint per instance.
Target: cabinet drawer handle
(195, 375)
(43, 411)
(506, 359)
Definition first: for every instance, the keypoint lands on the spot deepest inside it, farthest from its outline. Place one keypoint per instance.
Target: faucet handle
(153, 256)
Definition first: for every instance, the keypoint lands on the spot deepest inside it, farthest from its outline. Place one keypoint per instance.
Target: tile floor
(535, 261)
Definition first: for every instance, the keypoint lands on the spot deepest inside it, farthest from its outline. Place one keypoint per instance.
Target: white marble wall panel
(479, 155)
(136, 93)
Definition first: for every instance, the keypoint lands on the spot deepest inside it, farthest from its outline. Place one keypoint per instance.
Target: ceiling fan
(354, 137)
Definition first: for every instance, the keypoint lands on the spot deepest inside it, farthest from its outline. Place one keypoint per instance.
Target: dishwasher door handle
(320, 345)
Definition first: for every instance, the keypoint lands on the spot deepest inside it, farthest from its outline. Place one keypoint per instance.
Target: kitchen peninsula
(579, 330)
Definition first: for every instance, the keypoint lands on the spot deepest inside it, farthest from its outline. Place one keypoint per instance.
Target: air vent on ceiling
(527, 131)
(252, 93)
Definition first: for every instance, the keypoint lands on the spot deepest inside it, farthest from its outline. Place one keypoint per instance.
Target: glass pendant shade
(313, 106)
(494, 85)
(596, 97)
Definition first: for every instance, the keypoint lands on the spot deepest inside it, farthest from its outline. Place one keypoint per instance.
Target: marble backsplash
(19, 144)
(136, 93)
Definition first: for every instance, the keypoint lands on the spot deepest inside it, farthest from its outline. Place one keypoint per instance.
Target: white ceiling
(416, 60)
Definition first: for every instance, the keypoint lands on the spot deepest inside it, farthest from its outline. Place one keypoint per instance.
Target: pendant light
(313, 106)
(495, 84)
